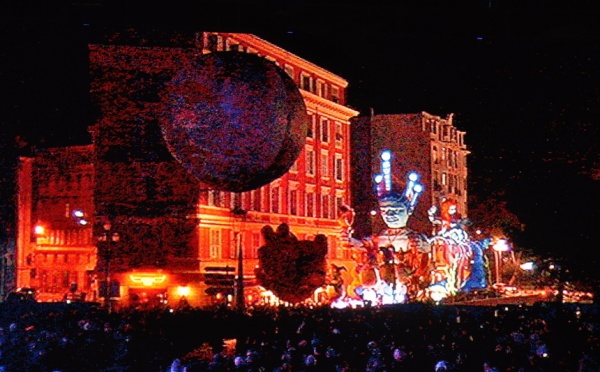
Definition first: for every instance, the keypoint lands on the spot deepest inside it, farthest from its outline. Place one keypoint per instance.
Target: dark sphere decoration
(290, 268)
(236, 121)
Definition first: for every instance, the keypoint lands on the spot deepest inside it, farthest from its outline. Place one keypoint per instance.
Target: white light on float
(386, 169)
(386, 155)
(378, 184)
(417, 189)
(410, 188)
(437, 296)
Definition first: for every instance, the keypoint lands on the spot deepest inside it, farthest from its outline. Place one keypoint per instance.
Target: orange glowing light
(183, 291)
(39, 230)
(148, 280)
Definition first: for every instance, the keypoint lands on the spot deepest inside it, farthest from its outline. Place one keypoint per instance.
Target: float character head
(395, 210)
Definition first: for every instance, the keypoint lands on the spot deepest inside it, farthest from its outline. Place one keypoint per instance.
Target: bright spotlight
(527, 266)
(39, 230)
(183, 291)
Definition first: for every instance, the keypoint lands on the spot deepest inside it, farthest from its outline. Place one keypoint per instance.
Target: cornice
(277, 52)
(327, 107)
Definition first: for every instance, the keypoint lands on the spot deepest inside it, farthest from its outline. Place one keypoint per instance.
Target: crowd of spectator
(413, 337)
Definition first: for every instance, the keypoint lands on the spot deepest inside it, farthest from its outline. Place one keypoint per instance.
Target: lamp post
(108, 238)
(500, 246)
(238, 211)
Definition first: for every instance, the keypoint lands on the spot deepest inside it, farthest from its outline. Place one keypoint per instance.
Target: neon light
(378, 186)
(386, 170)
(386, 155)
(147, 280)
(413, 177)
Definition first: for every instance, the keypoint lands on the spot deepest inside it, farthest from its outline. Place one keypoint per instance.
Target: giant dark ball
(235, 121)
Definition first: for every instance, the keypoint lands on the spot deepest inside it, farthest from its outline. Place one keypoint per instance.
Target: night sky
(522, 81)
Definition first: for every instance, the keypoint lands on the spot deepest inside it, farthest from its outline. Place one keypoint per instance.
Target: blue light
(413, 176)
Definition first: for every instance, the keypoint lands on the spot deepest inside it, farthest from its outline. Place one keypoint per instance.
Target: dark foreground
(61, 337)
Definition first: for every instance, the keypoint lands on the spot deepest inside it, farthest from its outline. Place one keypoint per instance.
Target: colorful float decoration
(400, 265)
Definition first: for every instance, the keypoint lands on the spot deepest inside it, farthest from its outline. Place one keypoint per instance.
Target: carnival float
(395, 266)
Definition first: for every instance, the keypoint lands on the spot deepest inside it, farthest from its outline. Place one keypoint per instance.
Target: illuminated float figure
(400, 265)
(394, 266)
(459, 261)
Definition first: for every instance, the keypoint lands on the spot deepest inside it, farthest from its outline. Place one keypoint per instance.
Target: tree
(491, 215)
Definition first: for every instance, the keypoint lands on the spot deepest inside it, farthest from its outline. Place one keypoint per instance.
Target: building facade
(427, 144)
(169, 226)
(55, 242)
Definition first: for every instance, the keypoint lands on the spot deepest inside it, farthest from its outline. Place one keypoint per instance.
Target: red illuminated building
(55, 242)
(128, 186)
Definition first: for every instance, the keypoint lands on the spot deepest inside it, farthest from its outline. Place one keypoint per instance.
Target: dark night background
(521, 77)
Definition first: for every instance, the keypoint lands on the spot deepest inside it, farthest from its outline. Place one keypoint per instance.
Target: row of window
(58, 281)
(445, 132)
(446, 156)
(315, 85)
(325, 131)
(62, 258)
(311, 165)
(71, 237)
(215, 245)
(67, 181)
(305, 204)
(304, 79)
(450, 183)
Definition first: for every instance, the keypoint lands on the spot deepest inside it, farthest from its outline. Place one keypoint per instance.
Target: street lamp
(500, 246)
(108, 238)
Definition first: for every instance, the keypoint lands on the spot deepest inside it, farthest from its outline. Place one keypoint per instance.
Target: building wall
(146, 195)
(52, 186)
(306, 198)
(141, 187)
